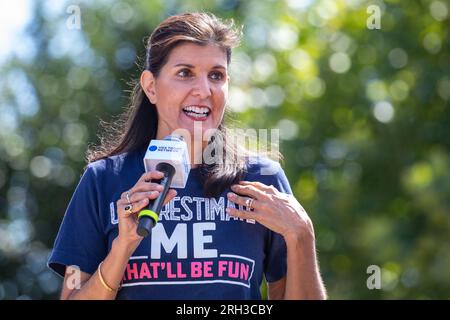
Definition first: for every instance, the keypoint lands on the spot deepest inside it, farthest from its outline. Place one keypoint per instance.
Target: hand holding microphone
(167, 165)
(136, 199)
(169, 156)
(148, 217)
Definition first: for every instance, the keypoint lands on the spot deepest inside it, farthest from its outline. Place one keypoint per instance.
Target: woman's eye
(185, 73)
(216, 75)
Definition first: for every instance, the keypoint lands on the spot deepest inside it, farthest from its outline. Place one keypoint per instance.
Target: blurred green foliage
(363, 116)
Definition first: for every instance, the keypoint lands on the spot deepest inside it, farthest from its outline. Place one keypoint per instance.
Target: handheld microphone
(170, 156)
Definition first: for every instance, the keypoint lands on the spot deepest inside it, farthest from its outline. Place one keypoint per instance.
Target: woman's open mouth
(196, 112)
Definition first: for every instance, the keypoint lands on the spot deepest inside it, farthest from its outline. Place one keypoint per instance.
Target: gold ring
(129, 208)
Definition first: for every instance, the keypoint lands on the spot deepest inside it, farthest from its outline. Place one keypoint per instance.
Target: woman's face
(192, 87)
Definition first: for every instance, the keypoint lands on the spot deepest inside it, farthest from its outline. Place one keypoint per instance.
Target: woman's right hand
(139, 196)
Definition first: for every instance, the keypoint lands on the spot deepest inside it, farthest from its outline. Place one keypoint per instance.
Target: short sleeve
(281, 181)
(275, 266)
(80, 240)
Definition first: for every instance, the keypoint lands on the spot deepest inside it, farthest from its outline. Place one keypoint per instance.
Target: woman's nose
(202, 88)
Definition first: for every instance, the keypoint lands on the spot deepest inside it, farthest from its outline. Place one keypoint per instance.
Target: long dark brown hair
(139, 123)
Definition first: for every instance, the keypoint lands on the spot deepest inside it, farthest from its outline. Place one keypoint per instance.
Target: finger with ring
(129, 208)
(248, 204)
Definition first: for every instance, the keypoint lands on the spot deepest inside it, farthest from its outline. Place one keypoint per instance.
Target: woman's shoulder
(268, 171)
(262, 165)
(113, 164)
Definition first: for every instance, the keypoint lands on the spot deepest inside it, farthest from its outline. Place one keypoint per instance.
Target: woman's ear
(148, 85)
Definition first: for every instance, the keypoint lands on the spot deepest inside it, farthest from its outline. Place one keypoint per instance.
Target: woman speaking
(231, 225)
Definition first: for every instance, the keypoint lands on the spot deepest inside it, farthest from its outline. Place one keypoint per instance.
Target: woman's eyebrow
(184, 65)
(218, 66)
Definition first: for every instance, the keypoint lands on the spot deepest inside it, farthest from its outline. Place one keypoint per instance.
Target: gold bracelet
(102, 280)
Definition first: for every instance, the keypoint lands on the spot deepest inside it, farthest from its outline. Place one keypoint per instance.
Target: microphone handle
(148, 217)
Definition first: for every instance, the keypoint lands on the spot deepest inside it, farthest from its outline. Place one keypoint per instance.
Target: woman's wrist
(301, 235)
(301, 249)
(300, 241)
(124, 246)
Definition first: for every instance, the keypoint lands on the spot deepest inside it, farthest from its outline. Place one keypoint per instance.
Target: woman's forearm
(303, 280)
(112, 269)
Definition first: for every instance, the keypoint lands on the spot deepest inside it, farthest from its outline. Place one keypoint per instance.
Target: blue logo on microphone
(152, 148)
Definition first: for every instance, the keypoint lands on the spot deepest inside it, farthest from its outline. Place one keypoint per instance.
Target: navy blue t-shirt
(196, 251)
